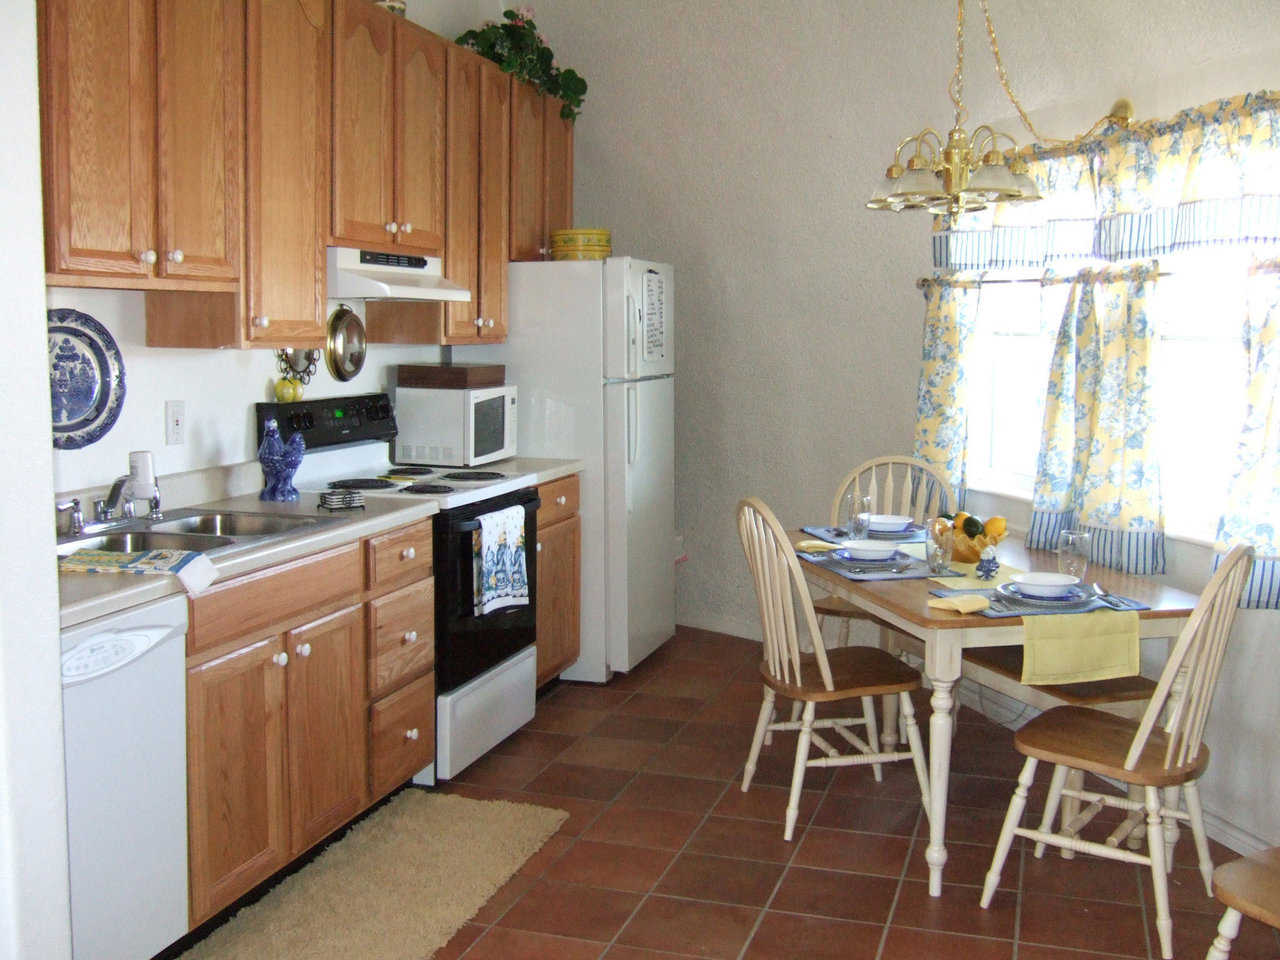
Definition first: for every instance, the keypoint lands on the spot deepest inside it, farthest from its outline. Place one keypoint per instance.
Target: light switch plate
(175, 422)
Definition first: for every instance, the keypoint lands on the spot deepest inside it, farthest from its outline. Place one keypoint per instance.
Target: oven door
(468, 643)
(491, 425)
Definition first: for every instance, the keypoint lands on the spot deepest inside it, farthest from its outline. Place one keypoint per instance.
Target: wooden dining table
(903, 604)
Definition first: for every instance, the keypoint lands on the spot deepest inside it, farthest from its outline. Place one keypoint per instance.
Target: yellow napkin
(1080, 647)
(815, 546)
(961, 602)
(971, 582)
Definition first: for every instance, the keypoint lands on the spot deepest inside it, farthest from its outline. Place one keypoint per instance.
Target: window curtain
(1253, 497)
(1096, 469)
(1208, 177)
(942, 422)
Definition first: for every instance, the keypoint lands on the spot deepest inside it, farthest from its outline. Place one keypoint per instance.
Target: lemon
(996, 527)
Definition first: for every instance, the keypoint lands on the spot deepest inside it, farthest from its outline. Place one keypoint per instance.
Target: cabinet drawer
(559, 500)
(395, 555)
(249, 603)
(402, 734)
(401, 635)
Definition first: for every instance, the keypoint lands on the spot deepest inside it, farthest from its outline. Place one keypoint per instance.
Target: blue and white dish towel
(501, 576)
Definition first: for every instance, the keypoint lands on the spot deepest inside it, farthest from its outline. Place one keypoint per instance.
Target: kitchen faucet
(138, 484)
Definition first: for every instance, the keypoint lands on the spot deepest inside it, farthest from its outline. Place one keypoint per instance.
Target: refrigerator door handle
(631, 339)
(633, 425)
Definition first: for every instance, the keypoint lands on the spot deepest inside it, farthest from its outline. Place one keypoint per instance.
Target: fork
(1110, 599)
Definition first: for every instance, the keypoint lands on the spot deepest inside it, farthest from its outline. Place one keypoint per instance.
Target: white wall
(739, 141)
(34, 917)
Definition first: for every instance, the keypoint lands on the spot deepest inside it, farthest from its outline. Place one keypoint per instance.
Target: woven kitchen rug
(396, 887)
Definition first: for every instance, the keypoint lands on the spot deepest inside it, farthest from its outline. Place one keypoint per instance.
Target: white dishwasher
(124, 717)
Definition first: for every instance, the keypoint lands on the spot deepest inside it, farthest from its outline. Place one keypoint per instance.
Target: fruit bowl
(972, 535)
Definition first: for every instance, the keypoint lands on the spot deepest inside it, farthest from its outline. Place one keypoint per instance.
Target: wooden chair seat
(1251, 886)
(855, 672)
(1007, 662)
(1091, 740)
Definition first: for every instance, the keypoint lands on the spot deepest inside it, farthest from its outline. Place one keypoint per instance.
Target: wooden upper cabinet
(528, 216)
(388, 131)
(462, 223)
(495, 198)
(137, 194)
(287, 176)
(363, 123)
(420, 138)
(557, 143)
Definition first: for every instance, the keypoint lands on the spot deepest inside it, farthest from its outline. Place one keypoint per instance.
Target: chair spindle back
(780, 589)
(898, 485)
(1201, 649)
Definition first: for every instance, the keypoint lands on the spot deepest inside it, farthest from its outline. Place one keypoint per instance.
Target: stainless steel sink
(235, 524)
(131, 541)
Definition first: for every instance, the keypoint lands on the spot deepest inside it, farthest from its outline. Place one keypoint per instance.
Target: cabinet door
(420, 131)
(495, 194)
(327, 741)
(559, 585)
(199, 74)
(557, 137)
(288, 169)
(363, 123)
(462, 225)
(97, 99)
(238, 827)
(528, 228)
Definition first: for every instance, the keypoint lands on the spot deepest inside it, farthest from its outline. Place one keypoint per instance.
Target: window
(1198, 310)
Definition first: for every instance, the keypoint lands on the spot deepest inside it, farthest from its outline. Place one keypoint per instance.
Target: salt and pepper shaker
(987, 564)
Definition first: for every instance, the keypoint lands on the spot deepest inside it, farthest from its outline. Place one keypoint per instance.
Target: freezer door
(639, 337)
(640, 593)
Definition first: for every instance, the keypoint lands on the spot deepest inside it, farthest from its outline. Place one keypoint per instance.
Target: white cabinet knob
(408, 553)
(560, 501)
(147, 256)
(261, 322)
(406, 228)
(542, 250)
(304, 649)
(392, 227)
(490, 324)
(539, 548)
(280, 659)
(411, 636)
(176, 256)
(411, 734)
(479, 321)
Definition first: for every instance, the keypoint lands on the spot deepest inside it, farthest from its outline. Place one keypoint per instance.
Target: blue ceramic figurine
(280, 462)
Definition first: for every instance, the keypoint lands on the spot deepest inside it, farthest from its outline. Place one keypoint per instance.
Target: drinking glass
(938, 548)
(1073, 553)
(856, 510)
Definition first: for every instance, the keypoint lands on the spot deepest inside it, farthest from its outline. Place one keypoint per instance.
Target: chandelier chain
(956, 87)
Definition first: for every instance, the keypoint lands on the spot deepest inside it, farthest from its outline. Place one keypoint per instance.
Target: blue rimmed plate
(86, 379)
(1073, 597)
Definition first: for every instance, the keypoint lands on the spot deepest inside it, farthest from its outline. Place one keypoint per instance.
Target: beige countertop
(86, 596)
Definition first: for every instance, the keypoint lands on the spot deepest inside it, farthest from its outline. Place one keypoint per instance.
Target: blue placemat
(914, 534)
(1010, 607)
(867, 570)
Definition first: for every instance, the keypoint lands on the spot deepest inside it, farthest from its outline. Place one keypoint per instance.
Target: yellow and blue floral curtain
(1252, 514)
(1210, 176)
(1097, 467)
(942, 422)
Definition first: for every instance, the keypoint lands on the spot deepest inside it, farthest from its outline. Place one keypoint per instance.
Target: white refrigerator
(591, 347)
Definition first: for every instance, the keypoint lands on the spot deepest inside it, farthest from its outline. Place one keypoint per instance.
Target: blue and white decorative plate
(86, 379)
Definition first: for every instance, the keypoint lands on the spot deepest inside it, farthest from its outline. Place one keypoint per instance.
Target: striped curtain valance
(1208, 177)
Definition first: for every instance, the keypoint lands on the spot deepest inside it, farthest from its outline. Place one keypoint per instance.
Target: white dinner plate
(869, 549)
(1074, 597)
(887, 522)
(1044, 585)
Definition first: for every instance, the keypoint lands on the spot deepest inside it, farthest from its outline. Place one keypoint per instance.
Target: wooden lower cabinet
(402, 734)
(237, 798)
(559, 603)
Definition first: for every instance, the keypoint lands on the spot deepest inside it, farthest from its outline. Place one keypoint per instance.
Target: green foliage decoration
(515, 45)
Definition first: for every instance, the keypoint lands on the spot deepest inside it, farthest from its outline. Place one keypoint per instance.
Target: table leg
(941, 723)
(889, 732)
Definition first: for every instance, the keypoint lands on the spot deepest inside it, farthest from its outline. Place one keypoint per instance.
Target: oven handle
(466, 526)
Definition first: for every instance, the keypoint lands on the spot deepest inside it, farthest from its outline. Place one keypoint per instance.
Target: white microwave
(455, 428)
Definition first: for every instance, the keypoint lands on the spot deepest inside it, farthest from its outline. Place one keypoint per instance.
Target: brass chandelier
(966, 171)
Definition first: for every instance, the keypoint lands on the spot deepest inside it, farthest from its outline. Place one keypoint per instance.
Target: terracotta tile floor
(664, 856)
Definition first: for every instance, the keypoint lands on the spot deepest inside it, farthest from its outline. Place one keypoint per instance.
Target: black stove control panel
(332, 421)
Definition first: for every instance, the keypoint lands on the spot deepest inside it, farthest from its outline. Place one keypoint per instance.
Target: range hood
(368, 275)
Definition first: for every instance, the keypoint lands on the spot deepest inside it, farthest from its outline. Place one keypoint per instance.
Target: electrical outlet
(175, 422)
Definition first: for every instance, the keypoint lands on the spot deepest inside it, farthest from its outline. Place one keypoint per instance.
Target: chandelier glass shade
(965, 170)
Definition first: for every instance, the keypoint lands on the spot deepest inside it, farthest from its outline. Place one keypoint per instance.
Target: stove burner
(475, 475)
(427, 488)
(398, 470)
(361, 483)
